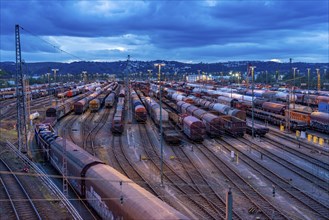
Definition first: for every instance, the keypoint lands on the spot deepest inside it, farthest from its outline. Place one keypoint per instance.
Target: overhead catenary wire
(52, 45)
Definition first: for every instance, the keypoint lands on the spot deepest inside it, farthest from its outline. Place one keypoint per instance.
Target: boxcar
(212, 124)
(194, 128)
(81, 106)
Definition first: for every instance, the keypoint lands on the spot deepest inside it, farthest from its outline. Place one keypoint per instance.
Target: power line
(52, 45)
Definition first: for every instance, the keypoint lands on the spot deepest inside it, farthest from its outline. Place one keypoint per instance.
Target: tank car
(109, 101)
(320, 121)
(274, 107)
(322, 99)
(139, 110)
(284, 96)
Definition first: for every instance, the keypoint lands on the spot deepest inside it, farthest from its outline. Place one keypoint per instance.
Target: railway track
(68, 122)
(127, 167)
(303, 145)
(89, 139)
(56, 193)
(20, 201)
(314, 179)
(279, 182)
(263, 205)
(197, 202)
(201, 182)
(35, 104)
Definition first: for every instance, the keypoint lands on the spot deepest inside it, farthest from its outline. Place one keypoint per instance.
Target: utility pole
(55, 71)
(199, 74)
(21, 96)
(159, 65)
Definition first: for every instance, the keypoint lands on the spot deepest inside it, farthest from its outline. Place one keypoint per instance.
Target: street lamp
(159, 65)
(252, 101)
(293, 90)
(84, 76)
(150, 74)
(319, 82)
(55, 71)
(308, 86)
(199, 75)
(294, 76)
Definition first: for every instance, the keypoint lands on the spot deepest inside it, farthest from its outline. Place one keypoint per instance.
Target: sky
(189, 31)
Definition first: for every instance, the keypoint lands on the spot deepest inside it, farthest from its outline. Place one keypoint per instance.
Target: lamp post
(150, 74)
(199, 75)
(84, 76)
(293, 91)
(49, 88)
(319, 82)
(159, 65)
(294, 76)
(252, 101)
(221, 73)
(308, 85)
(55, 71)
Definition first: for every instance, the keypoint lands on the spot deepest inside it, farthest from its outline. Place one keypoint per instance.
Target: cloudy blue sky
(188, 31)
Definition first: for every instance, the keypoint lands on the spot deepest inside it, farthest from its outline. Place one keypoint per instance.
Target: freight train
(118, 117)
(97, 182)
(81, 106)
(169, 133)
(53, 114)
(138, 108)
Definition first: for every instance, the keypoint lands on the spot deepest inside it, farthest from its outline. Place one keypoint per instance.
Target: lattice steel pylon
(21, 96)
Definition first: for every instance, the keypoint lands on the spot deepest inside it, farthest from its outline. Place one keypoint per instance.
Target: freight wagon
(153, 108)
(138, 108)
(320, 121)
(136, 202)
(96, 104)
(110, 100)
(118, 117)
(194, 128)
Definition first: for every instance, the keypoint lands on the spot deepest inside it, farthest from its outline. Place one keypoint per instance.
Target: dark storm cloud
(184, 30)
